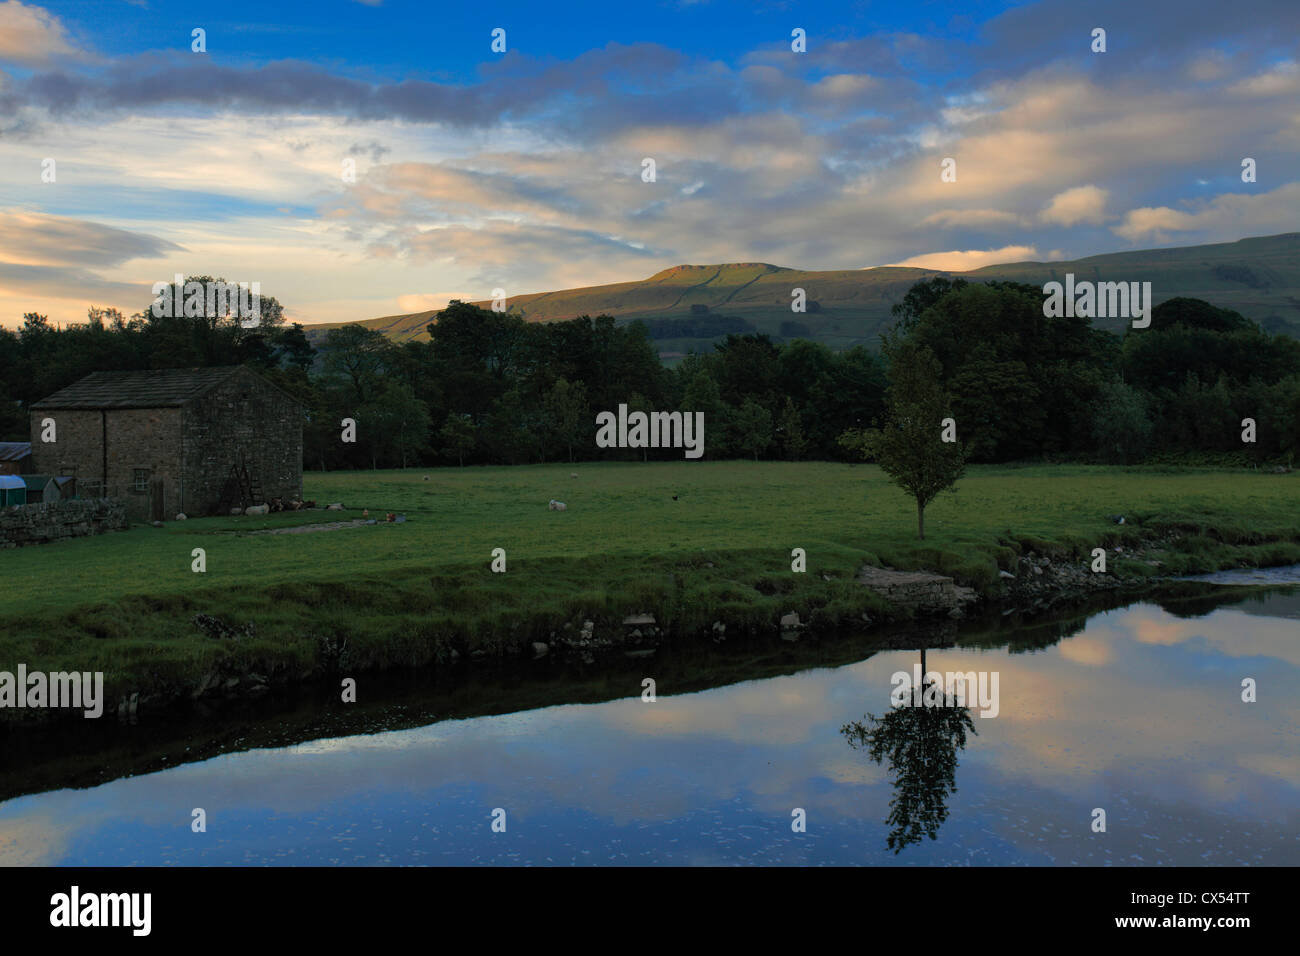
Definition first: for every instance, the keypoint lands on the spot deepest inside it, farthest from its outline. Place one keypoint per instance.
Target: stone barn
(192, 440)
(15, 457)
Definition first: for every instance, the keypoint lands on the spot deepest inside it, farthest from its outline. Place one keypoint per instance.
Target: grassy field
(408, 594)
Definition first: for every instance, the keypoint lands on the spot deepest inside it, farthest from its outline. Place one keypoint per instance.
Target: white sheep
(557, 505)
(257, 509)
(180, 516)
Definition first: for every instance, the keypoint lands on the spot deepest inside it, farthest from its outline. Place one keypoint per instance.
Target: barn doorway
(156, 499)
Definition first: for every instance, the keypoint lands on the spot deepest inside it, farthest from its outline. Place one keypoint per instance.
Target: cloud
(616, 86)
(38, 239)
(1239, 214)
(1283, 79)
(1140, 37)
(427, 301)
(969, 259)
(978, 218)
(31, 36)
(528, 175)
(49, 264)
(1080, 204)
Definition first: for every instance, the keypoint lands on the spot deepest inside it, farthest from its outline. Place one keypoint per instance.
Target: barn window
(140, 480)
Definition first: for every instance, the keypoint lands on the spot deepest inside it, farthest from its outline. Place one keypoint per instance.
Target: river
(1136, 711)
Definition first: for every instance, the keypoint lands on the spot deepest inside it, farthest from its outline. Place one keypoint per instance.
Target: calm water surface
(1139, 714)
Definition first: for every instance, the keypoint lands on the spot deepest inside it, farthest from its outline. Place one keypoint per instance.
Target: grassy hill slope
(1259, 277)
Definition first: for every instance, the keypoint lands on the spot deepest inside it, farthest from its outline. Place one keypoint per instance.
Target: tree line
(490, 388)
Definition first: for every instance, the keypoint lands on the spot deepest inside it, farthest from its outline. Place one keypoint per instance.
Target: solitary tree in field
(910, 448)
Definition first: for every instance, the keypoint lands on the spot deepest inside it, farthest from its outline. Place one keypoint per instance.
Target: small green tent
(13, 491)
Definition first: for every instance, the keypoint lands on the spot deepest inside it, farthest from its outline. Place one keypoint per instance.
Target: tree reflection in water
(920, 744)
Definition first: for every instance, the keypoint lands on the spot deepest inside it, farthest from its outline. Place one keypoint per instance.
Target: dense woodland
(490, 388)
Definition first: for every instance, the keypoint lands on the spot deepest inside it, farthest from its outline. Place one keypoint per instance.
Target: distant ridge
(1259, 277)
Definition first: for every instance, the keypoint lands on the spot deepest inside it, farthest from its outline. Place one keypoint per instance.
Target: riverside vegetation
(692, 543)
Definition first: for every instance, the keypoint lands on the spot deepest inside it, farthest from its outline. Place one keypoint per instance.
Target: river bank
(232, 661)
(77, 753)
(736, 550)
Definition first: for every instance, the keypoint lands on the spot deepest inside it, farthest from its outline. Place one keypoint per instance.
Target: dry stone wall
(60, 520)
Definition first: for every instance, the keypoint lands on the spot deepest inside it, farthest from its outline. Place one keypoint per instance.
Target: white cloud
(31, 36)
(1085, 204)
(972, 218)
(1283, 79)
(1226, 215)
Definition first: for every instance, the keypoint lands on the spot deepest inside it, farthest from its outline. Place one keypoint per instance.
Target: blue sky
(393, 39)
(472, 170)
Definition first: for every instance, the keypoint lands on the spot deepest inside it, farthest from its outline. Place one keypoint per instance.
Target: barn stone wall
(59, 520)
(77, 443)
(147, 438)
(138, 438)
(249, 416)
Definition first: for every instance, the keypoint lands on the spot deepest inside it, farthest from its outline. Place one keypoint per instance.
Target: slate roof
(14, 450)
(153, 388)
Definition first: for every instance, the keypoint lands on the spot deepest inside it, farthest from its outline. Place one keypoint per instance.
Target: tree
(910, 448)
(751, 427)
(294, 347)
(1121, 425)
(920, 297)
(567, 413)
(457, 436)
(999, 405)
(858, 442)
(702, 395)
(506, 433)
(394, 425)
(747, 368)
(359, 354)
(790, 428)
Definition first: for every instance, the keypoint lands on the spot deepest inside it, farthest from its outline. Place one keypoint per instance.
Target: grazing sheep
(334, 507)
(257, 510)
(573, 474)
(426, 477)
(180, 516)
(557, 505)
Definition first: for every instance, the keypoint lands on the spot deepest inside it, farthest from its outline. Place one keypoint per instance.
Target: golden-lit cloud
(31, 36)
(960, 261)
(1073, 206)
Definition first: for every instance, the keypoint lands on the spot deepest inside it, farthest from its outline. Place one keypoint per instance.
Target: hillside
(1259, 277)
